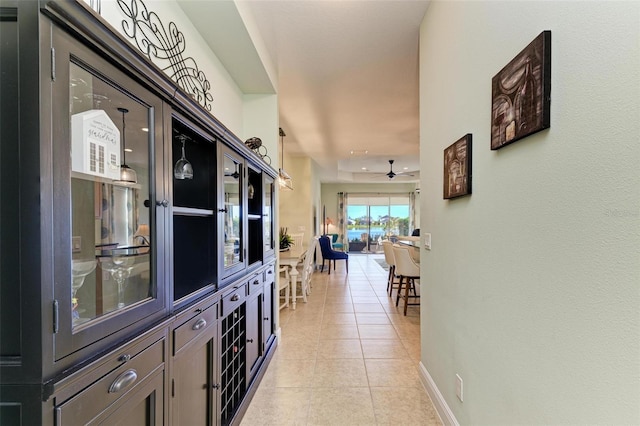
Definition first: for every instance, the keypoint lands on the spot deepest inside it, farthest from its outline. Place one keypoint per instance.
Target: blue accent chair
(329, 254)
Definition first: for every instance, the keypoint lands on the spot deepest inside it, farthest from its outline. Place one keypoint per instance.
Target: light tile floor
(347, 357)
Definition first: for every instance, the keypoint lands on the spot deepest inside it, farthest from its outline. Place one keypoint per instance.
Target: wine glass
(182, 169)
(120, 267)
(79, 270)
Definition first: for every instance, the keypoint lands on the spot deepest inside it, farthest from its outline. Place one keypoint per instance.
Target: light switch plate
(427, 241)
(76, 244)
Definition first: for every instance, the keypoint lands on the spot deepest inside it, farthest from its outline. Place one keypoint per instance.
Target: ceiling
(347, 78)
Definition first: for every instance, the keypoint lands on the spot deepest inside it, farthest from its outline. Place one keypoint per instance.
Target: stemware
(79, 270)
(183, 169)
(120, 267)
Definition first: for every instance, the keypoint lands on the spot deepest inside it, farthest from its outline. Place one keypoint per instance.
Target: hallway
(347, 357)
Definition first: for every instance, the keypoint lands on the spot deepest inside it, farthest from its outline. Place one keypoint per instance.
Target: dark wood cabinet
(194, 378)
(154, 285)
(127, 383)
(108, 232)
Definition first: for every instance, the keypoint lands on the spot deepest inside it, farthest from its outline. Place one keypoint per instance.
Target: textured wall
(531, 290)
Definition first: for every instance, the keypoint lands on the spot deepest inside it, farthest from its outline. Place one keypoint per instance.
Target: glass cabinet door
(268, 237)
(104, 178)
(231, 212)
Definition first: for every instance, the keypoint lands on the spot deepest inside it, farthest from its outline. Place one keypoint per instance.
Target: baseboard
(445, 413)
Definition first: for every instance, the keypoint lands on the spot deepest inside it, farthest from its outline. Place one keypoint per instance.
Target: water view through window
(373, 219)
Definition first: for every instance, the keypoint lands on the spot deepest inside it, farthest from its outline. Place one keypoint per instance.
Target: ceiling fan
(391, 174)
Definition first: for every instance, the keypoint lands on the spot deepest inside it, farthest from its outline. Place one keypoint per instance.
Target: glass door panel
(107, 140)
(372, 219)
(110, 228)
(232, 225)
(268, 224)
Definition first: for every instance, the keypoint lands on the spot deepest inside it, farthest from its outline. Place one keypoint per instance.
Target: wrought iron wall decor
(255, 144)
(165, 48)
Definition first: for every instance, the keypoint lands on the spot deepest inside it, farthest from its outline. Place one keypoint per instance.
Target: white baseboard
(445, 413)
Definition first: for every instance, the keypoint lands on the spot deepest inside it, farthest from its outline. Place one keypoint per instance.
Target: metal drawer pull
(123, 381)
(124, 358)
(235, 298)
(256, 282)
(249, 340)
(199, 324)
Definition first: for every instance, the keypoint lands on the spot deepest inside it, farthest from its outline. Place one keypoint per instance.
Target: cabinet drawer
(196, 326)
(233, 298)
(84, 407)
(255, 283)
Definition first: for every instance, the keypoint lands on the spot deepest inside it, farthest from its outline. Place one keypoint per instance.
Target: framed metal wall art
(521, 94)
(457, 168)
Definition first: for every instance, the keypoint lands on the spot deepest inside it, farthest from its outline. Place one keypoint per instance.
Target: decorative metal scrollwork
(255, 144)
(165, 48)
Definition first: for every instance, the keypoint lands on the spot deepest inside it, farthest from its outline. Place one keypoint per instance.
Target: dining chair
(304, 272)
(335, 244)
(284, 283)
(329, 254)
(297, 248)
(408, 271)
(308, 267)
(389, 258)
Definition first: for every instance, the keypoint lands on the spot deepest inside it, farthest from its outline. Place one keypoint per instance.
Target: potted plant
(285, 239)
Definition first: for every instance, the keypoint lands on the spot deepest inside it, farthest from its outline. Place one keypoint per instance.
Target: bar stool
(407, 269)
(389, 258)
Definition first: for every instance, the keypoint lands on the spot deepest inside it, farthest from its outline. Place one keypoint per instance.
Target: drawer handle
(199, 324)
(256, 282)
(123, 381)
(235, 298)
(124, 358)
(269, 272)
(249, 340)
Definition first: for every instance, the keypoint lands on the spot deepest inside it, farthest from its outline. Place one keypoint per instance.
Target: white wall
(227, 105)
(531, 289)
(296, 208)
(260, 120)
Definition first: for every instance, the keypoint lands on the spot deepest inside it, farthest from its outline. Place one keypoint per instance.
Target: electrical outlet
(427, 241)
(76, 244)
(459, 388)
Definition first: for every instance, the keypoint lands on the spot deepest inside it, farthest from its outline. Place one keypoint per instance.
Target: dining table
(291, 261)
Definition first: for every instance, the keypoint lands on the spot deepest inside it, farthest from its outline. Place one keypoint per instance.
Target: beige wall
(531, 289)
(296, 208)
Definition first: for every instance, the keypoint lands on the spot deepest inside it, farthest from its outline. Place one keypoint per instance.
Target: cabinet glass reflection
(232, 213)
(110, 234)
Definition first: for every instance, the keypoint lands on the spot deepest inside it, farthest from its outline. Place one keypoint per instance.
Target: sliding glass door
(372, 218)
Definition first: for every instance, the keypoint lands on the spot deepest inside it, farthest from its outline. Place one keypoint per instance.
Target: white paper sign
(95, 144)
